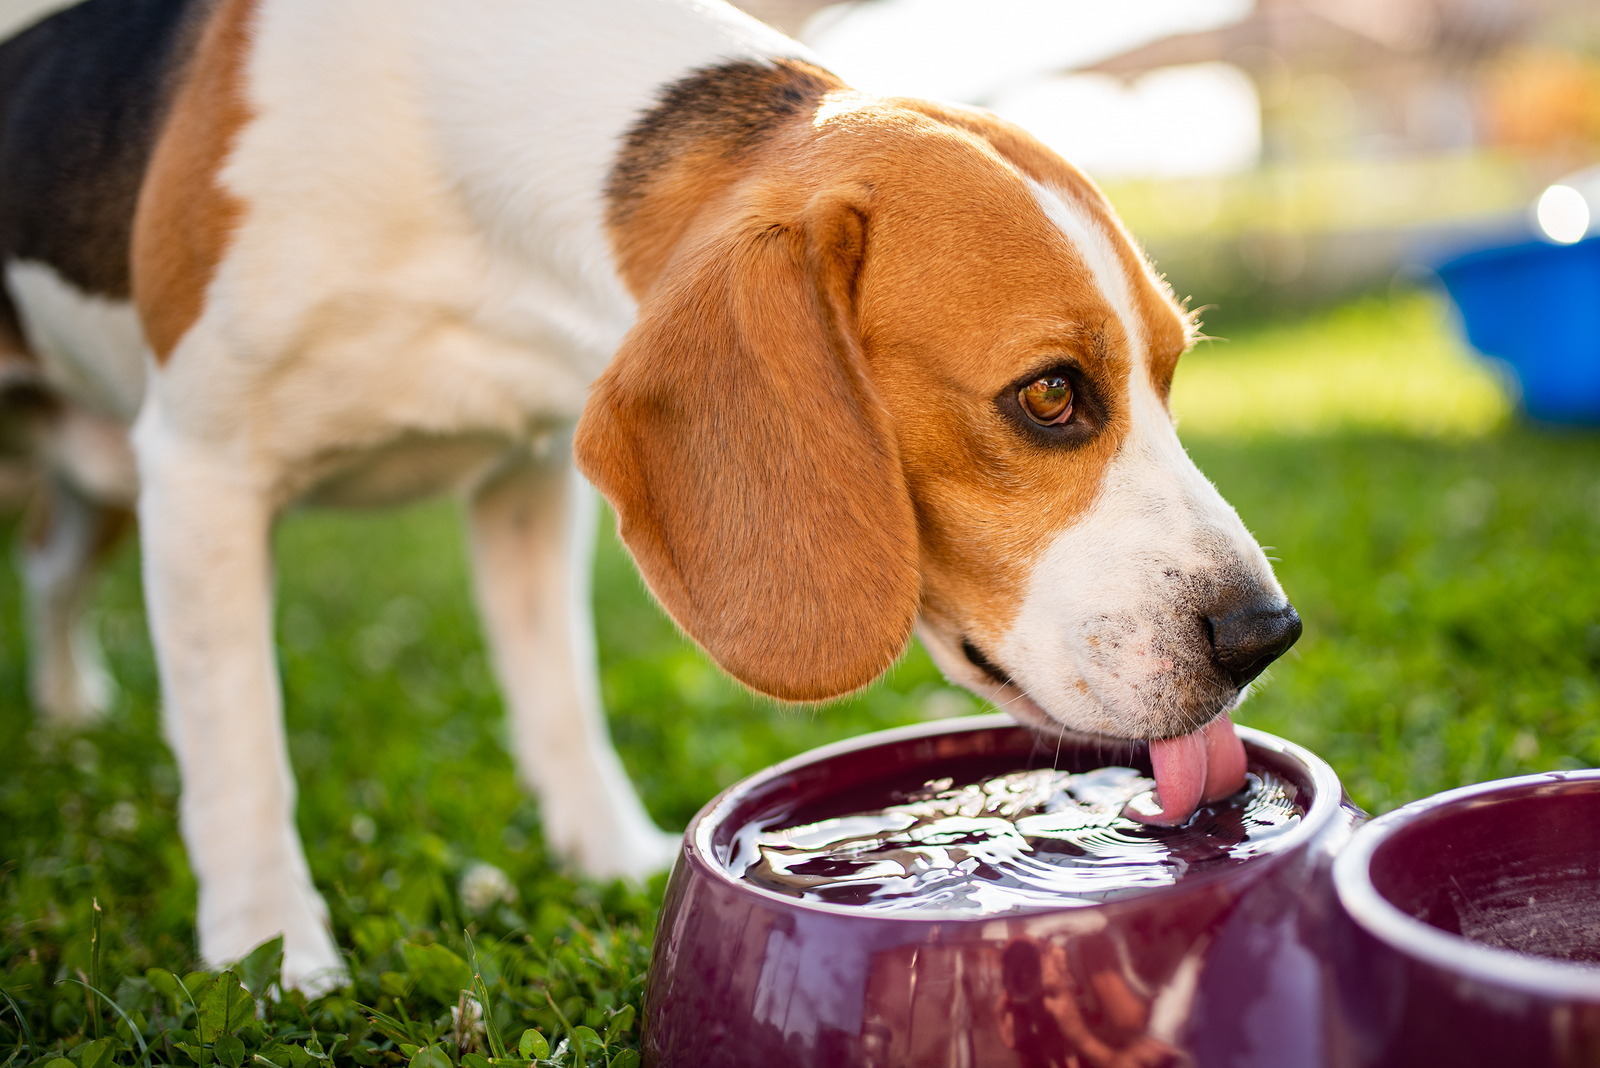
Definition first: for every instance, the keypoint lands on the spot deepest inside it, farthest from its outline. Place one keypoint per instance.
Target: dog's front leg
(533, 550)
(205, 525)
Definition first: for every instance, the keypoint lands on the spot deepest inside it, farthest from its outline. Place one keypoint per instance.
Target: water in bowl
(1024, 840)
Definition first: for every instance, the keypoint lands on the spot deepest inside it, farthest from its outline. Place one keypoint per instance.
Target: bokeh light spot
(1563, 214)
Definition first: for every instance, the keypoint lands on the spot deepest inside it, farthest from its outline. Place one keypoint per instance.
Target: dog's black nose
(1249, 639)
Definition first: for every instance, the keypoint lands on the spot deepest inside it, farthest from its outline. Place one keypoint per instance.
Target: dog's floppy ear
(751, 464)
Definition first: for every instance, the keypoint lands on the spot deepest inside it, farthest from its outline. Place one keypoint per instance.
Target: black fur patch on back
(731, 106)
(82, 97)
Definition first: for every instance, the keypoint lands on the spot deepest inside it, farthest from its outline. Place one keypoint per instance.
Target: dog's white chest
(409, 468)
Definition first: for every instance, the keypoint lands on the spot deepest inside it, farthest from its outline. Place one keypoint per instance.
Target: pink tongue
(1206, 765)
(1224, 760)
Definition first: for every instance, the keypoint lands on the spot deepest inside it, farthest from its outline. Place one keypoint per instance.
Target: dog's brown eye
(1048, 400)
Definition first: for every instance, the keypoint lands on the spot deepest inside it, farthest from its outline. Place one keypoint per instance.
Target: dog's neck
(518, 91)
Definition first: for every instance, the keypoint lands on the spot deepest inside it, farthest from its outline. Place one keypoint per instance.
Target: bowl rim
(1411, 937)
(1499, 254)
(1327, 799)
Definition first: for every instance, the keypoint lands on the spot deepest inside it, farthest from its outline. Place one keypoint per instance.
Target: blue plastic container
(1537, 307)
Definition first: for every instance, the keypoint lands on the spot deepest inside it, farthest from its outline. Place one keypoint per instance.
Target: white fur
(92, 453)
(204, 524)
(416, 297)
(89, 473)
(17, 15)
(1115, 601)
(532, 546)
(418, 293)
(1098, 251)
(90, 348)
(67, 676)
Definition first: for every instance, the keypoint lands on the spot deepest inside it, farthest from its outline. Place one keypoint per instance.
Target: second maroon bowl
(1224, 967)
(1470, 929)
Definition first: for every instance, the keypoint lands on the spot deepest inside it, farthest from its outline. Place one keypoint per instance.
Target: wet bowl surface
(1224, 967)
(1473, 928)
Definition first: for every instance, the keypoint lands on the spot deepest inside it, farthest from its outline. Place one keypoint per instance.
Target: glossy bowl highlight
(1222, 967)
(1472, 928)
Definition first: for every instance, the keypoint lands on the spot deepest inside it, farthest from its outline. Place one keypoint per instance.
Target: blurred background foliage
(1275, 155)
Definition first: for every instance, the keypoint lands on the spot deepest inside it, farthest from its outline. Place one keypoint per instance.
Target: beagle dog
(844, 365)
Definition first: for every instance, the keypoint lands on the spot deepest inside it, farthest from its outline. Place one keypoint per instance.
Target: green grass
(1443, 559)
(1384, 367)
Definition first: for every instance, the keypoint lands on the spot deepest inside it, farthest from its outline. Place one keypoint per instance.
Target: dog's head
(897, 361)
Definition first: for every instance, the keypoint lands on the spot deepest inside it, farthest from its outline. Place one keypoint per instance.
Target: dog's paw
(635, 857)
(314, 970)
(312, 963)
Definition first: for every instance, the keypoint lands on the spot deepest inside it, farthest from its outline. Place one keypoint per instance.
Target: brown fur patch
(1169, 331)
(832, 321)
(753, 471)
(695, 142)
(184, 217)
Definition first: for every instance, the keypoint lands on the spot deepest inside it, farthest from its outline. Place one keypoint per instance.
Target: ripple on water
(1025, 840)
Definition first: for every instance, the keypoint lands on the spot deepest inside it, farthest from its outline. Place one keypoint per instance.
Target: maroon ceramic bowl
(1472, 929)
(1225, 967)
